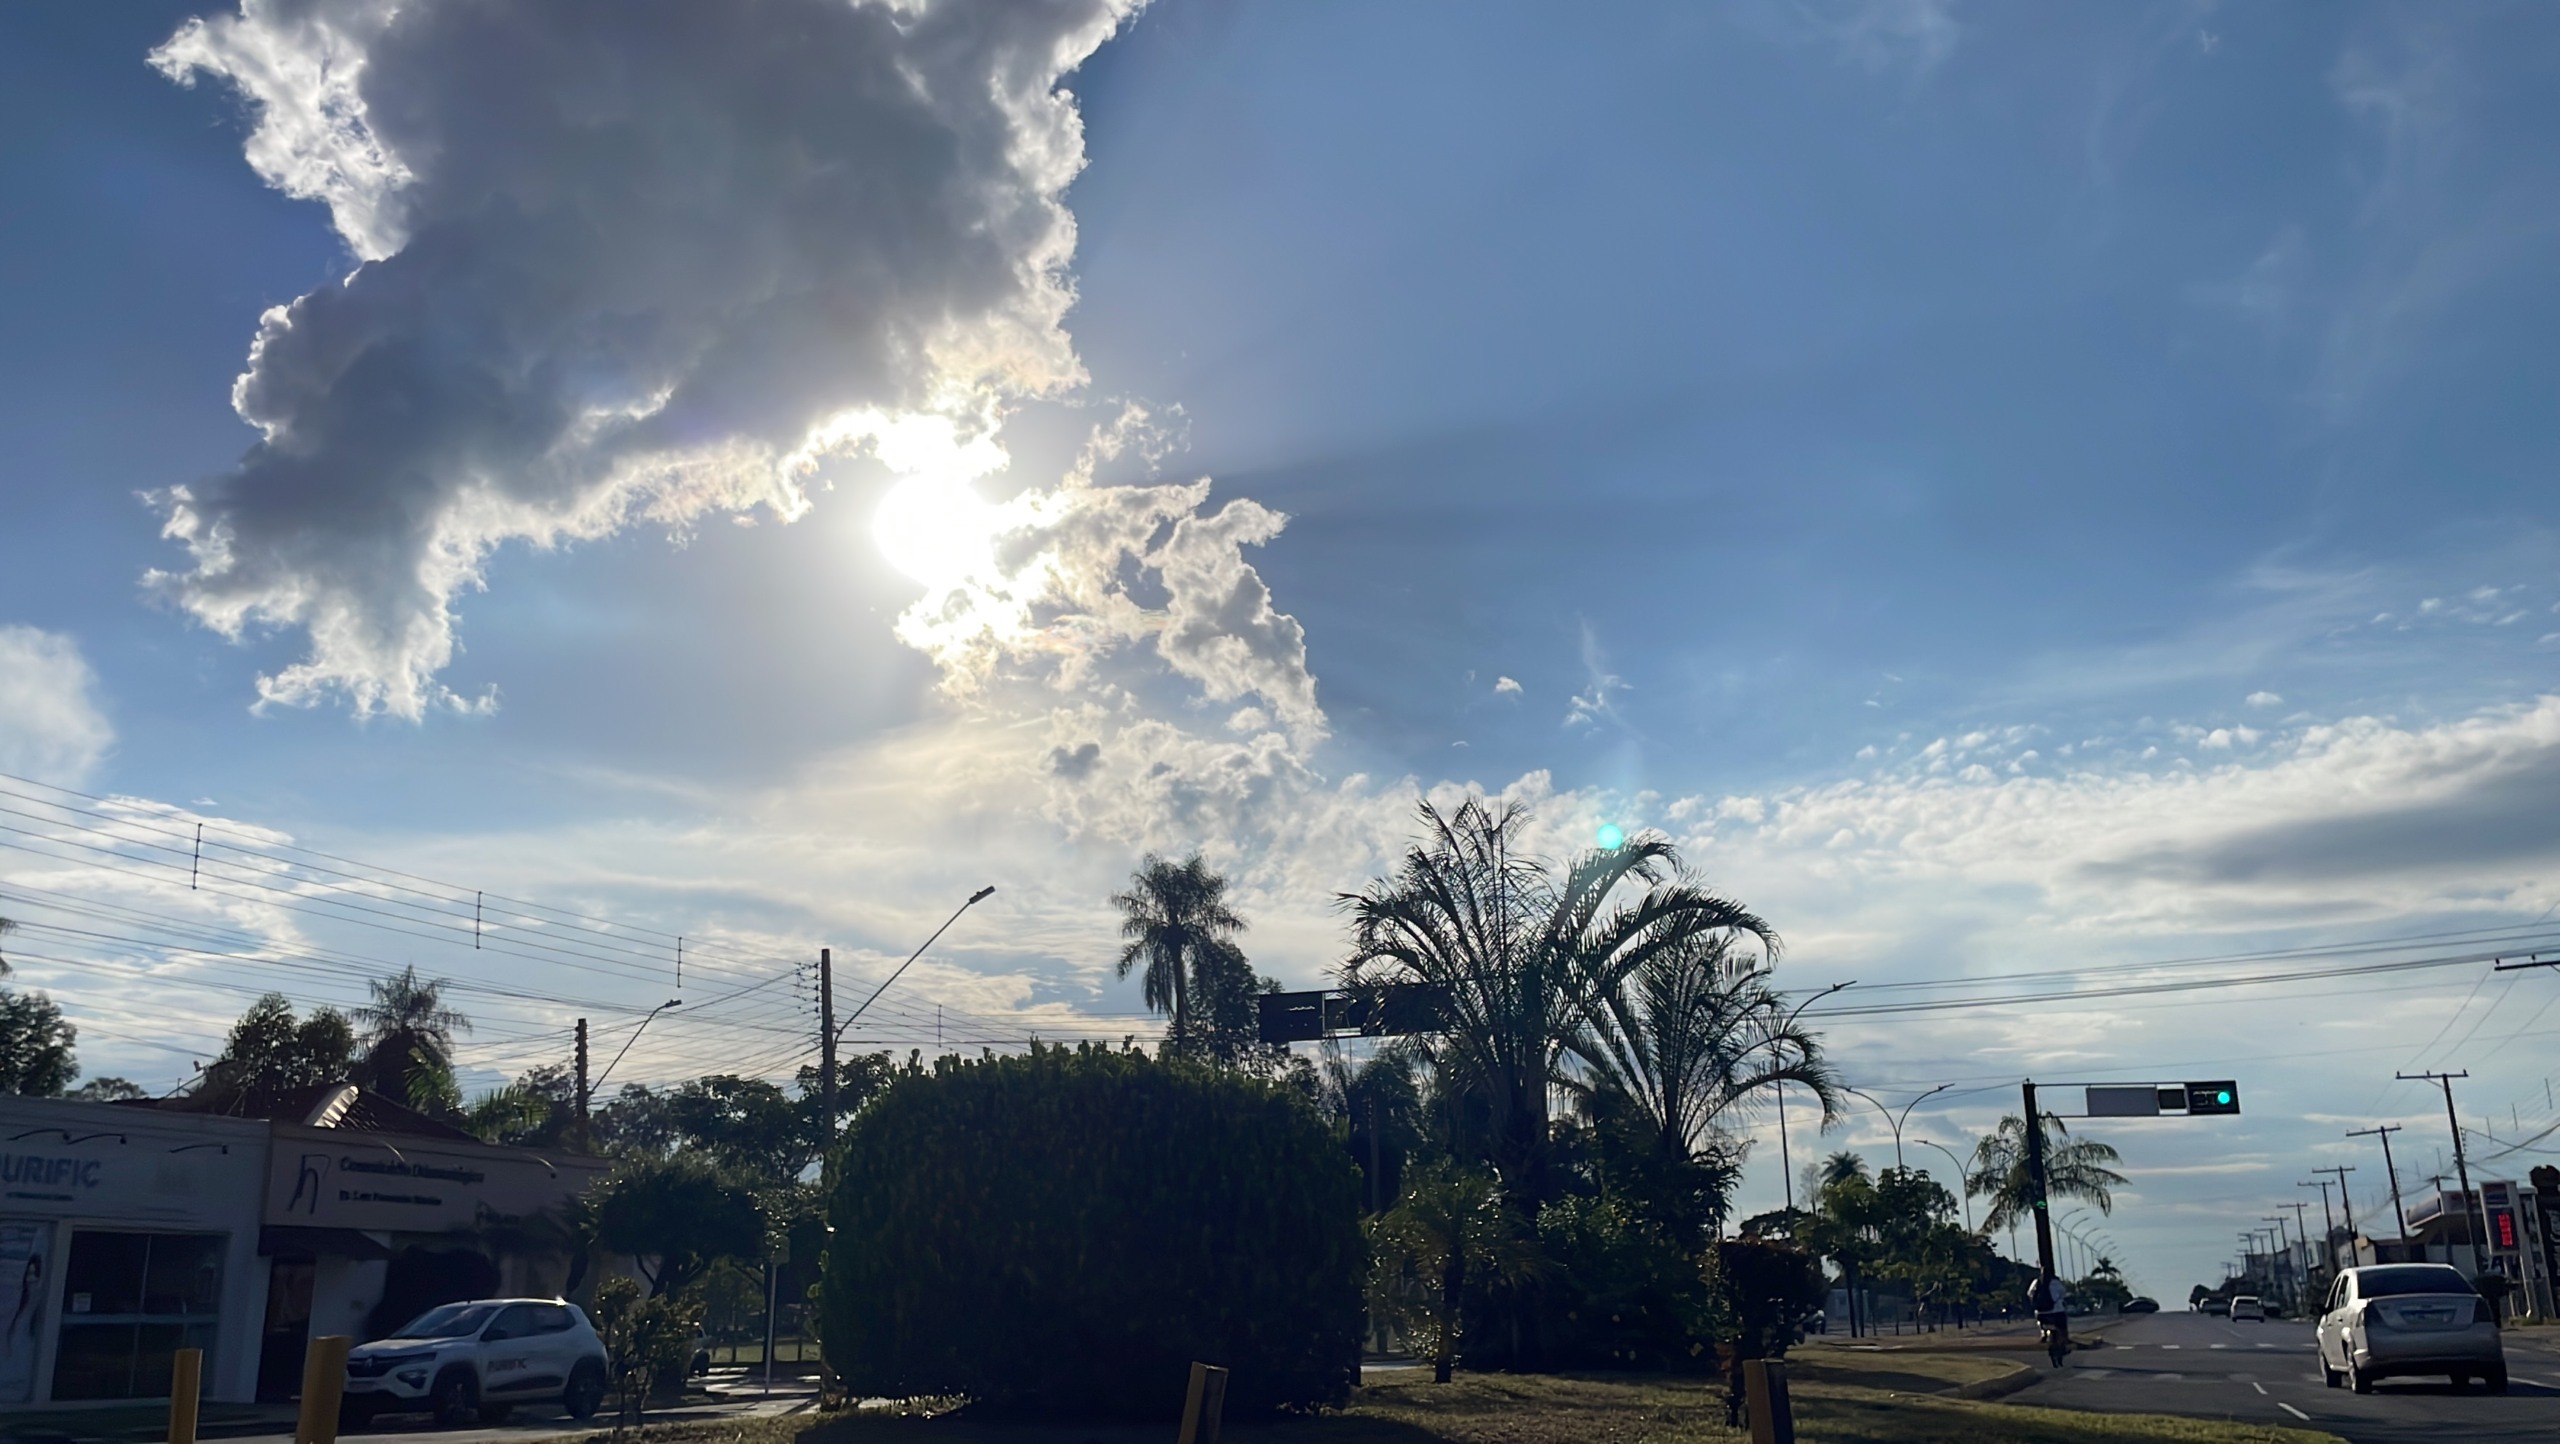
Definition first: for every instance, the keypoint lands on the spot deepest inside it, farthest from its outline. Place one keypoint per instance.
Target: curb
(2020, 1376)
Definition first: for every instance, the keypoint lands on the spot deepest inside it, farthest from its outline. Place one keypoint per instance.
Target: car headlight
(414, 1378)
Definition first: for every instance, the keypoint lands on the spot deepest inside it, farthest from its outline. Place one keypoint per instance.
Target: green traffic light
(2222, 1097)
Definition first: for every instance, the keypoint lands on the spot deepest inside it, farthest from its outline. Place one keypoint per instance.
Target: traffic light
(2218, 1097)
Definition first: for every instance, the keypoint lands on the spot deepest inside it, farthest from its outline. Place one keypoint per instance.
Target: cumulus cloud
(52, 728)
(1505, 687)
(624, 261)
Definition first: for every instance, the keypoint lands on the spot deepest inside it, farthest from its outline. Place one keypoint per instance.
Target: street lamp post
(1963, 1195)
(1892, 1119)
(598, 1086)
(1786, 1166)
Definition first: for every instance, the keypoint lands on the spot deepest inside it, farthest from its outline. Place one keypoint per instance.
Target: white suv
(480, 1358)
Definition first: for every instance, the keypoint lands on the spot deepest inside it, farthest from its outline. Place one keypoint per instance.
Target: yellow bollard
(324, 1383)
(1764, 1388)
(186, 1381)
(1202, 1407)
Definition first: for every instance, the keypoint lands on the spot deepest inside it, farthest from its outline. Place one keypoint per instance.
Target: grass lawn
(1835, 1403)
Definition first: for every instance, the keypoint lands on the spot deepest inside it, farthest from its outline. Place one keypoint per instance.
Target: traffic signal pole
(2036, 1202)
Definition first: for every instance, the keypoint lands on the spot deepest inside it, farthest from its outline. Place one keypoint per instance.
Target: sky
(2009, 489)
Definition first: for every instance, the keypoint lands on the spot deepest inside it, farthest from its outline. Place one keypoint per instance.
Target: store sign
(47, 1177)
(327, 1179)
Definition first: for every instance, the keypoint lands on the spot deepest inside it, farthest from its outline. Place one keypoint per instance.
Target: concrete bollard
(324, 1383)
(186, 1384)
(1206, 1401)
(1764, 1387)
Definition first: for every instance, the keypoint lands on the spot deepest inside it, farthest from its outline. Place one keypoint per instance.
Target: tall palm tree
(2073, 1168)
(1177, 922)
(1523, 951)
(1694, 1031)
(408, 1040)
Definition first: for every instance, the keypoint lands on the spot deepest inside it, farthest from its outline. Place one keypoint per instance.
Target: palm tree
(1449, 1231)
(1524, 953)
(2073, 1168)
(408, 1041)
(1694, 1031)
(1178, 924)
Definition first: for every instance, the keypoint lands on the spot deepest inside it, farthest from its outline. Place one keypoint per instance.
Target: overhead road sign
(1384, 1012)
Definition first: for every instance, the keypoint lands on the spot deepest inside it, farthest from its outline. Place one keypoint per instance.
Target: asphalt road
(2182, 1363)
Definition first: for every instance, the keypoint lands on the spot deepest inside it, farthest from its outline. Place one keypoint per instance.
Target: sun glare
(936, 530)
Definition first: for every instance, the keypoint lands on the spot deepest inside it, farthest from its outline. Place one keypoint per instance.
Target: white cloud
(52, 728)
(1505, 687)
(617, 264)
(2265, 699)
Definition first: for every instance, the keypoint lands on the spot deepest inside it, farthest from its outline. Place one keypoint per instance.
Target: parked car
(2246, 1306)
(2216, 1305)
(2139, 1306)
(2398, 1319)
(479, 1359)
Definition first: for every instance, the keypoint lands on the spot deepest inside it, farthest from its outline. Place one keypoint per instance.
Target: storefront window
(130, 1301)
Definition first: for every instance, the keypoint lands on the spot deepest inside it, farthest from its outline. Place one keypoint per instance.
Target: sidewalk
(730, 1396)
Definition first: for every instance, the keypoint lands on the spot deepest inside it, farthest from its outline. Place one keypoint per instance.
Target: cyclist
(2052, 1305)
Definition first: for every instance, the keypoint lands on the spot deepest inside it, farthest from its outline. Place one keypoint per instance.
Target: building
(131, 1230)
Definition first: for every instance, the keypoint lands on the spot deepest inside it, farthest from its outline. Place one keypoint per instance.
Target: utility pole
(584, 1101)
(2283, 1275)
(2346, 1200)
(826, 1066)
(2328, 1225)
(2384, 1131)
(2471, 1222)
(2302, 1232)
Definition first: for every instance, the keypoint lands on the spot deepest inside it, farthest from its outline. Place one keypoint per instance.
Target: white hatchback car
(479, 1359)
(2389, 1319)
(2247, 1307)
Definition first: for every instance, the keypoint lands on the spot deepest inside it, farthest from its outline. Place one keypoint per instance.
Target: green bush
(1067, 1232)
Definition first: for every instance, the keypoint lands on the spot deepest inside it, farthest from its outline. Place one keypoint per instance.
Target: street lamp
(1964, 1194)
(598, 1086)
(1786, 1166)
(975, 898)
(1897, 1122)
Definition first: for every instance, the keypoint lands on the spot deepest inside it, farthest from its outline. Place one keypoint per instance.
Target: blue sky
(2007, 486)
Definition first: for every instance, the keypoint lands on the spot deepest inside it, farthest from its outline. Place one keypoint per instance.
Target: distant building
(131, 1230)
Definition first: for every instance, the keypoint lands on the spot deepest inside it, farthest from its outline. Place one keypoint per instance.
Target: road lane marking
(2217, 1346)
(2172, 1346)
(2254, 1384)
(2124, 1348)
(2288, 1408)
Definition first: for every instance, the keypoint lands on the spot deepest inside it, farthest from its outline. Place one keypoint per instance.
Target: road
(2182, 1363)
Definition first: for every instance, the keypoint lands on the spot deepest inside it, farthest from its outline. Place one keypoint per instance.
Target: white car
(2247, 1307)
(479, 1359)
(2390, 1319)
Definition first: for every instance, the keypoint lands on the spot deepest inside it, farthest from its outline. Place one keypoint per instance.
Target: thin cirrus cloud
(640, 261)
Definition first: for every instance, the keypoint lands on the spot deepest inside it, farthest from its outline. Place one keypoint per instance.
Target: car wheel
(2328, 1377)
(2359, 1380)
(455, 1399)
(585, 1393)
(2497, 1380)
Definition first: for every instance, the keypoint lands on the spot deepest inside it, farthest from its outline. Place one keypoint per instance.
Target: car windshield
(452, 1321)
(2387, 1282)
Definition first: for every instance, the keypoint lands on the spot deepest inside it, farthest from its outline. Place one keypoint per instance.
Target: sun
(936, 530)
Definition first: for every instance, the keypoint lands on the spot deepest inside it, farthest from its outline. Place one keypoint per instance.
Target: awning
(282, 1238)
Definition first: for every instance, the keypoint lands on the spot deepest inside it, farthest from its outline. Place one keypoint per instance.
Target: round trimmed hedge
(1067, 1232)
